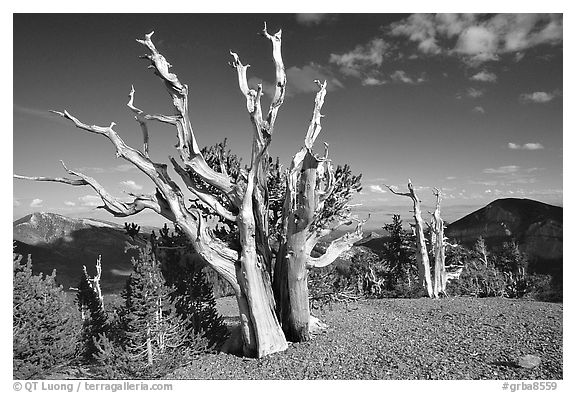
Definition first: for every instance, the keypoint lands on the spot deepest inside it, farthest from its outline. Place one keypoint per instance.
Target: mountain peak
(536, 226)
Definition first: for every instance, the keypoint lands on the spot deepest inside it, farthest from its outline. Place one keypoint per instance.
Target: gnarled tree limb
(337, 247)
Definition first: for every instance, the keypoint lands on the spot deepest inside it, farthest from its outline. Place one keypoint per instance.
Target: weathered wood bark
(438, 248)
(248, 267)
(421, 250)
(308, 184)
(245, 270)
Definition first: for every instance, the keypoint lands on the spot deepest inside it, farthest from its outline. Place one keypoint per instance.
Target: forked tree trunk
(291, 273)
(424, 276)
(308, 183)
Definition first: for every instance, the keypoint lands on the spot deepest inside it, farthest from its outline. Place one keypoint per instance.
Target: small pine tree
(193, 298)
(151, 339)
(512, 262)
(45, 328)
(192, 294)
(399, 255)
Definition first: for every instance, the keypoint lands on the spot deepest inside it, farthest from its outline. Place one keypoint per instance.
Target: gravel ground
(452, 338)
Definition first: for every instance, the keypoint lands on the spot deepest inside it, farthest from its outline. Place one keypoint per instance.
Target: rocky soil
(453, 338)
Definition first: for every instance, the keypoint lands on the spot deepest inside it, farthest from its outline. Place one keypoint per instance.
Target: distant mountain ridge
(536, 226)
(65, 244)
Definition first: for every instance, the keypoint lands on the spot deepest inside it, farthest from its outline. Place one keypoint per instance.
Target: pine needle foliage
(45, 327)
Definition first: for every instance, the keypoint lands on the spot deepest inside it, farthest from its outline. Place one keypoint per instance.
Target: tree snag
(308, 183)
(438, 248)
(247, 267)
(421, 251)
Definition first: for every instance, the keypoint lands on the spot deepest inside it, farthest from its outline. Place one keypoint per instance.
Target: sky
(469, 103)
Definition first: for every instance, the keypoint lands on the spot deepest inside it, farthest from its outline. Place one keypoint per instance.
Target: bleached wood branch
(280, 90)
(187, 145)
(202, 194)
(112, 204)
(337, 247)
(315, 126)
(140, 118)
(252, 99)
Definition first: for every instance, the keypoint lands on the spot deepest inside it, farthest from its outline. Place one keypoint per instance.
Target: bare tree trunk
(309, 183)
(438, 247)
(421, 251)
(292, 272)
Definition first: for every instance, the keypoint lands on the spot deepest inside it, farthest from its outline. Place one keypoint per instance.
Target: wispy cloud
(131, 184)
(123, 168)
(526, 146)
(90, 200)
(402, 77)
(313, 19)
(92, 169)
(484, 76)
(502, 170)
(36, 202)
(477, 38)
(301, 79)
(372, 81)
(538, 97)
(100, 170)
(478, 109)
(70, 203)
(474, 93)
(16, 203)
(362, 59)
(377, 188)
(43, 114)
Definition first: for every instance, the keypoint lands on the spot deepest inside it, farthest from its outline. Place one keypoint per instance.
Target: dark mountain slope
(65, 244)
(536, 226)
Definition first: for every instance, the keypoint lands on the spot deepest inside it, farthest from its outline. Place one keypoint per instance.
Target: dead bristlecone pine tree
(438, 243)
(246, 266)
(421, 251)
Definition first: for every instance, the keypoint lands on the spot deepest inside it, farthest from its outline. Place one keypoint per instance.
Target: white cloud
(502, 170)
(484, 76)
(90, 200)
(477, 41)
(479, 109)
(539, 97)
(36, 202)
(526, 146)
(15, 203)
(400, 76)
(377, 188)
(361, 59)
(311, 19)
(474, 93)
(371, 81)
(419, 28)
(91, 169)
(131, 184)
(479, 38)
(124, 168)
(69, 203)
